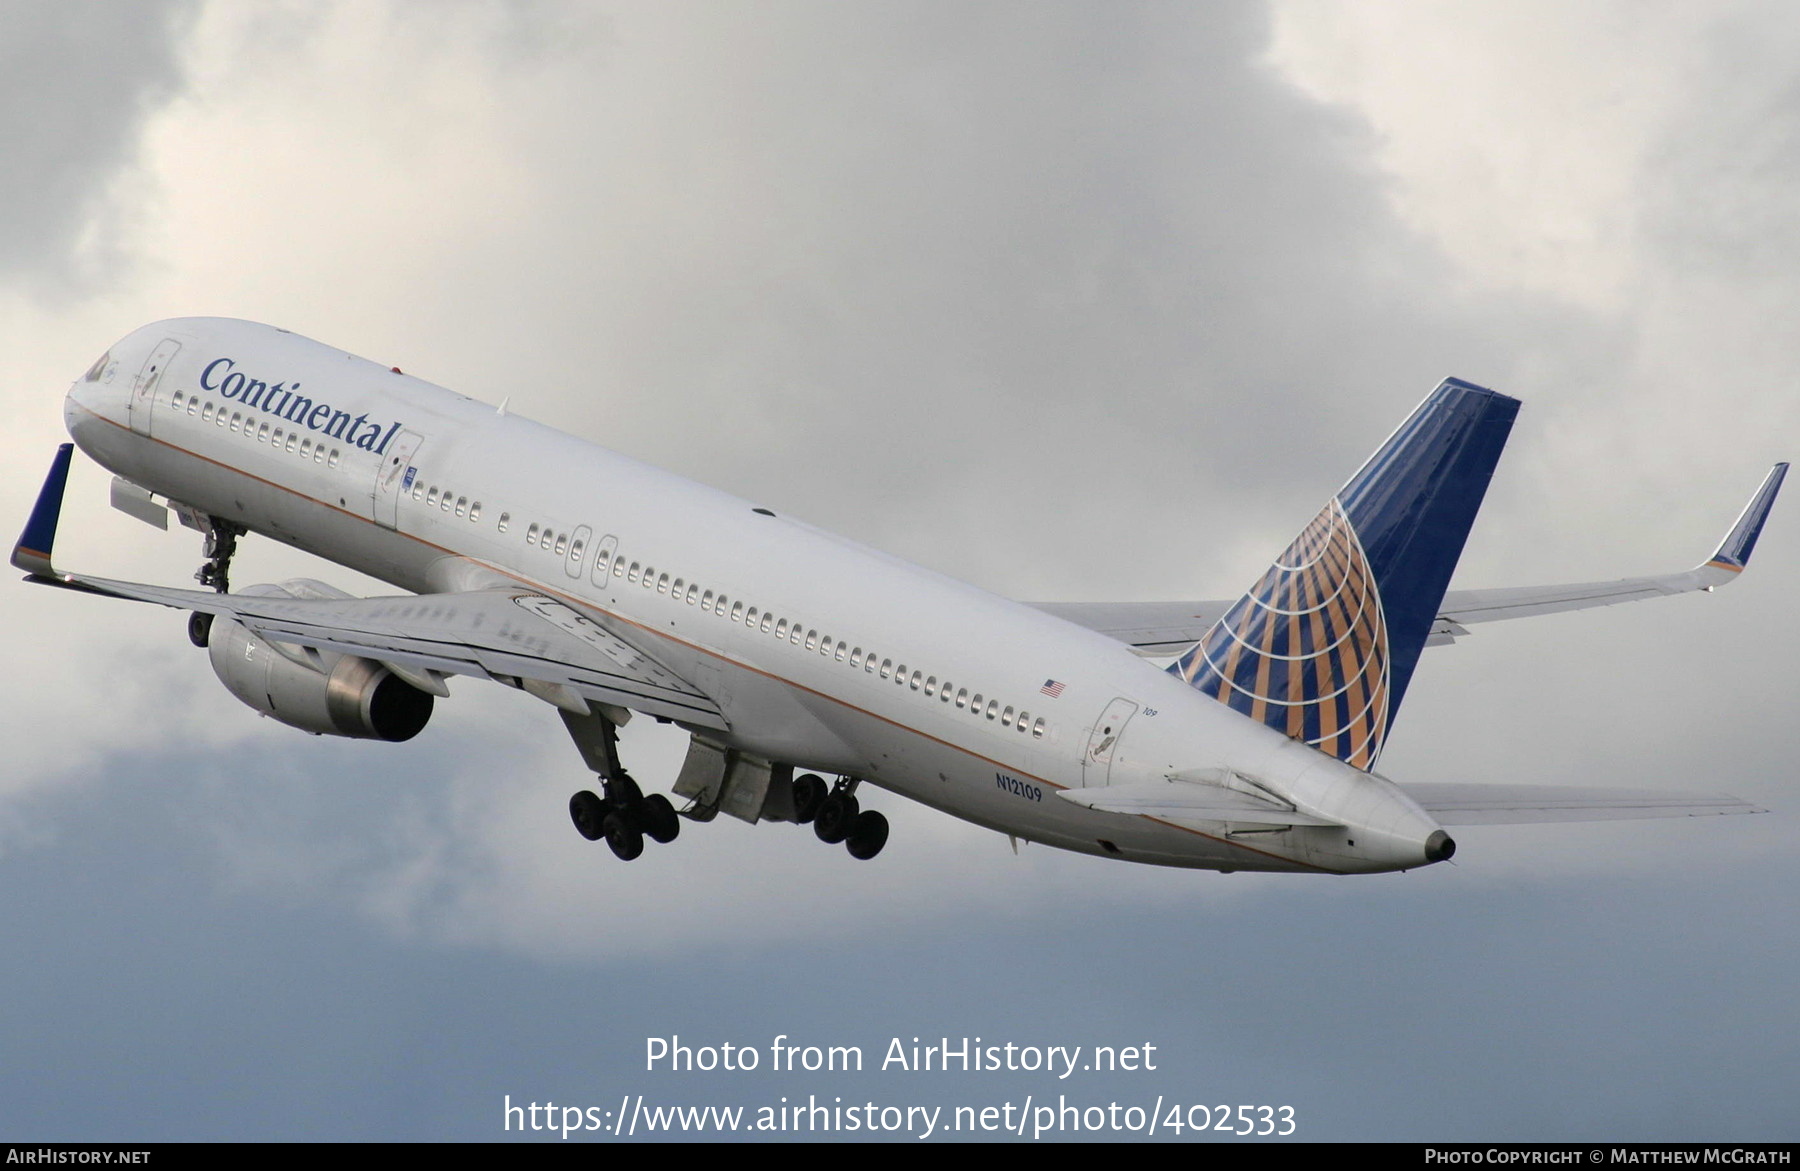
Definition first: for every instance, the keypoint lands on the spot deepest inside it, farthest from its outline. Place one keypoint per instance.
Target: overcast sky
(1074, 301)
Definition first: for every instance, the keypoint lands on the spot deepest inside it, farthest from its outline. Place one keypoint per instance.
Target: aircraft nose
(94, 398)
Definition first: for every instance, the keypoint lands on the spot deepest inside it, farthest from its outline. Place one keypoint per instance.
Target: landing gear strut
(221, 544)
(623, 816)
(836, 816)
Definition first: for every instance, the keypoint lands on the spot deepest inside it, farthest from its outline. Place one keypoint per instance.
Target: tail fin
(1323, 646)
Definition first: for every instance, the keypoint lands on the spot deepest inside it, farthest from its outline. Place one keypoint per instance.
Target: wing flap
(504, 634)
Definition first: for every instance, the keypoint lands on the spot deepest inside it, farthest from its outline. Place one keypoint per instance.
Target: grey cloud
(76, 82)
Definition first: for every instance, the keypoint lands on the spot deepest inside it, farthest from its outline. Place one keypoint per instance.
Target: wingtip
(33, 550)
(1734, 552)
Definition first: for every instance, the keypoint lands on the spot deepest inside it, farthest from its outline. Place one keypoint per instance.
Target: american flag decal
(1051, 688)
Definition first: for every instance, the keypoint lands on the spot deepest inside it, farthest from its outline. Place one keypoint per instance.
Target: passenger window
(633, 575)
(530, 533)
(737, 611)
(765, 623)
(914, 681)
(706, 600)
(662, 584)
(1006, 716)
(333, 461)
(575, 550)
(475, 511)
(839, 653)
(962, 698)
(693, 593)
(781, 628)
(1037, 729)
(812, 640)
(887, 668)
(931, 687)
(505, 520)
(992, 704)
(277, 437)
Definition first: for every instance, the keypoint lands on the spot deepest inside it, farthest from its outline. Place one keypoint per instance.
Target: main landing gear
(836, 816)
(715, 778)
(623, 815)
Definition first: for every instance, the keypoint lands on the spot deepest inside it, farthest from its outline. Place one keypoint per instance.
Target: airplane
(1234, 735)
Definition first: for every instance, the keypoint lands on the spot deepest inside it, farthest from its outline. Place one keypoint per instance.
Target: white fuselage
(857, 663)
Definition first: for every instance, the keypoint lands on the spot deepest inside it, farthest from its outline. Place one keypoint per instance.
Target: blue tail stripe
(1413, 504)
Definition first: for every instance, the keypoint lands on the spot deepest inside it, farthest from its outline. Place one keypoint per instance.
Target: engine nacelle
(316, 691)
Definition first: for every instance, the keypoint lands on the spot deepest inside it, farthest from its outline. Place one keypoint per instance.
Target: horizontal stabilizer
(1188, 801)
(1538, 804)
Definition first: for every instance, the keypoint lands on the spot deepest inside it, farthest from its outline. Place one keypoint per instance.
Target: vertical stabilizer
(1323, 646)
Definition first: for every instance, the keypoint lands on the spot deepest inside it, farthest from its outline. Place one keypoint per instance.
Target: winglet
(1734, 554)
(32, 553)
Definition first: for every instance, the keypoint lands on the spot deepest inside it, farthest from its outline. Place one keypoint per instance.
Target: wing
(516, 636)
(1167, 628)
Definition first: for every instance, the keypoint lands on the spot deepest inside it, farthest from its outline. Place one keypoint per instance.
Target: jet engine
(321, 692)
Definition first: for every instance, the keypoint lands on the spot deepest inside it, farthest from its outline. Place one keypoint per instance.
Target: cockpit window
(99, 367)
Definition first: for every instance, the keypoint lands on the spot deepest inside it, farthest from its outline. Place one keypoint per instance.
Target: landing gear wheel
(658, 818)
(833, 821)
(868, 833)
(809, 794)
(199, 629)
(625, 839)
(622, 791)
(588, 813)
